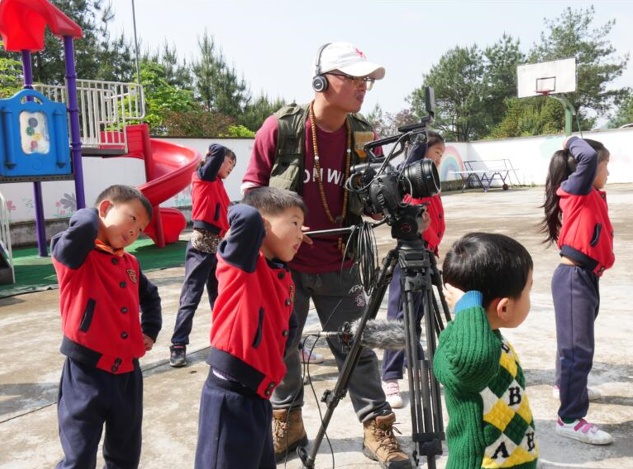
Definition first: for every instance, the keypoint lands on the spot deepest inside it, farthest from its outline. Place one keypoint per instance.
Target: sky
(272, 43)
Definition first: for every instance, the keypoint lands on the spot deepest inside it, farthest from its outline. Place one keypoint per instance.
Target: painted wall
(529, 156)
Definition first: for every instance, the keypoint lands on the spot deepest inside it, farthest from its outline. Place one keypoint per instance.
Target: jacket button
(281, 275)
(288, 302)
(123, 284)
(284, 333)
(114, 260)
(124, 310)
(124, 335)
(267, 392)
(115, 365)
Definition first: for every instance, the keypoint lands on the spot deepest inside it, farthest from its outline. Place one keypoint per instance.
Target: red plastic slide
(168, 168)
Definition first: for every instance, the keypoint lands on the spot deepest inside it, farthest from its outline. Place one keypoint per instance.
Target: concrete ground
(30, 361)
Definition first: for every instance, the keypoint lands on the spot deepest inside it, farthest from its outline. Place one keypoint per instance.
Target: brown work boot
(380, 444)
(288, 432)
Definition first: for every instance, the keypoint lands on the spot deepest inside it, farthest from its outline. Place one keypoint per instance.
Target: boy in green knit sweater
(488, 280)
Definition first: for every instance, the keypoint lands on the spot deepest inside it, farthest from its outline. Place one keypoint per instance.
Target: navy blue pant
(89, 399)
(576, 302)
(234, 429)
(199, 271)
(393, 360)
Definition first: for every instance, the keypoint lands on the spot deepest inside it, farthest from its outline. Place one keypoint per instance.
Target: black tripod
(419, 274)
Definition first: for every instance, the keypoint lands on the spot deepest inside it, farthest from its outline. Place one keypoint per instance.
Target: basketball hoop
(546, 78)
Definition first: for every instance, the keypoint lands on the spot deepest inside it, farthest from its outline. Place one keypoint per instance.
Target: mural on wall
(451, 161)
(10, 206)
(66, 206)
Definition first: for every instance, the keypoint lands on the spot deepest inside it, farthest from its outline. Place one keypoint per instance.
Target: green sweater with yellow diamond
(490, 421)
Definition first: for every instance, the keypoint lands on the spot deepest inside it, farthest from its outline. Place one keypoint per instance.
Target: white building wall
(530, 156)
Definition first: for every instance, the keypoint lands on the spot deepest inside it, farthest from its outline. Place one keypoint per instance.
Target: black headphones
(319, 82)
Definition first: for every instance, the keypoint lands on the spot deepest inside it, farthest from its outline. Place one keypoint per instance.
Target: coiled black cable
(362, 242)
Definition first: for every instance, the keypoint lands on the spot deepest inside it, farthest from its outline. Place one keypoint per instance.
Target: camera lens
(421, 179)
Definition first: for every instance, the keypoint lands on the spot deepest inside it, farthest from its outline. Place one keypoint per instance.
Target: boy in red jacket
(209, 206)
(253, 322)
(111, 315)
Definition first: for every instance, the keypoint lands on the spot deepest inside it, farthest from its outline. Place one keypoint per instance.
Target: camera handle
(426, 409)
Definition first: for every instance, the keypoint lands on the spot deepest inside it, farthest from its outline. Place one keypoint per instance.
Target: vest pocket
(596, 234)
(260, 329)
(286, 173)
(86, 320)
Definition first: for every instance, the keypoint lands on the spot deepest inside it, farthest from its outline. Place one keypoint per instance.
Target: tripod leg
(413, 365)
(426, 409)
(439, 323)
(332, 398)
(436, 278)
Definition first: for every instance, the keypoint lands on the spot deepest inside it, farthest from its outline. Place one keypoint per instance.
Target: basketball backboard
(544, 78)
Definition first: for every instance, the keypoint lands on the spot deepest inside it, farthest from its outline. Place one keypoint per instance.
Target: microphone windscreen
(382, 334)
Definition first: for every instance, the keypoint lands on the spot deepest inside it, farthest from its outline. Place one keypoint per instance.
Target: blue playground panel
(33, 138)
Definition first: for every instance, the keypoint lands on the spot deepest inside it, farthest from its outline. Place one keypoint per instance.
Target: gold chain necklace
(317, 166)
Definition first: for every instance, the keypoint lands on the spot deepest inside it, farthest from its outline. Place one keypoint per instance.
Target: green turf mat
(33, 273)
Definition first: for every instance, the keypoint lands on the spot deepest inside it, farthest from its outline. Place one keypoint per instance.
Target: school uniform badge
(131, 273)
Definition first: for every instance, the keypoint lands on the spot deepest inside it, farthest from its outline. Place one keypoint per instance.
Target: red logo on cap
(360, 53)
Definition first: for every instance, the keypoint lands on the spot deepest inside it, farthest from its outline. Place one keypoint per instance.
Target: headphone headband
(319, 81)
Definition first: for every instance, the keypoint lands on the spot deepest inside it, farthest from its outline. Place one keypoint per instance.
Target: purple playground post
(73, 114)
(40, 221)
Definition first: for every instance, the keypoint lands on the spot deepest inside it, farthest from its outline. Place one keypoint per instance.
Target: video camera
(382, 188)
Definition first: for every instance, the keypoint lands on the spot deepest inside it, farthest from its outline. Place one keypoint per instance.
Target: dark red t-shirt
(324, 255)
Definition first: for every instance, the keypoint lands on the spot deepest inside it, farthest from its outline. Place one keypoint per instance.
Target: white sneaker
(310, 356)
(584, 431)
(593, 394)
(392, 391)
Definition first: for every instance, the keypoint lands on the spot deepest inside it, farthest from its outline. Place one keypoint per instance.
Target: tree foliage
(476, 90)
(386, 124)
(162, 98)
(501, 61)
(256, 112)
(177, 72)
(458, 82)
(10, 77)
(217, 84)
(624, 114)
(530, 116)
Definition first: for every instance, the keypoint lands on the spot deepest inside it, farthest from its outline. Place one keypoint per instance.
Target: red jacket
(101, 295)
(209, 203)
(435, 232)
(253, 315)
(586, 234)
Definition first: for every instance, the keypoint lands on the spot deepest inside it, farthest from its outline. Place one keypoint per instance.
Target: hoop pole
(569, 112)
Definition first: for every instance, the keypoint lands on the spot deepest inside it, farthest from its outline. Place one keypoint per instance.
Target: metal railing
(105, 108)
(5, 236)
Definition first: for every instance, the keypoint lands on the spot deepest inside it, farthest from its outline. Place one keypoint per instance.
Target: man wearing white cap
(310, 149)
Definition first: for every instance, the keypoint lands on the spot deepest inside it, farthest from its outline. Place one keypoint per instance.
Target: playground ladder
(7, 275)
(105, 108)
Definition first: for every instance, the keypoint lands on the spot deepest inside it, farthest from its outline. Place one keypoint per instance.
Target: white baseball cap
(348, 59)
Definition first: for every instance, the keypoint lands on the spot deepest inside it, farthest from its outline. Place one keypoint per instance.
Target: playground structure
(102, 119)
